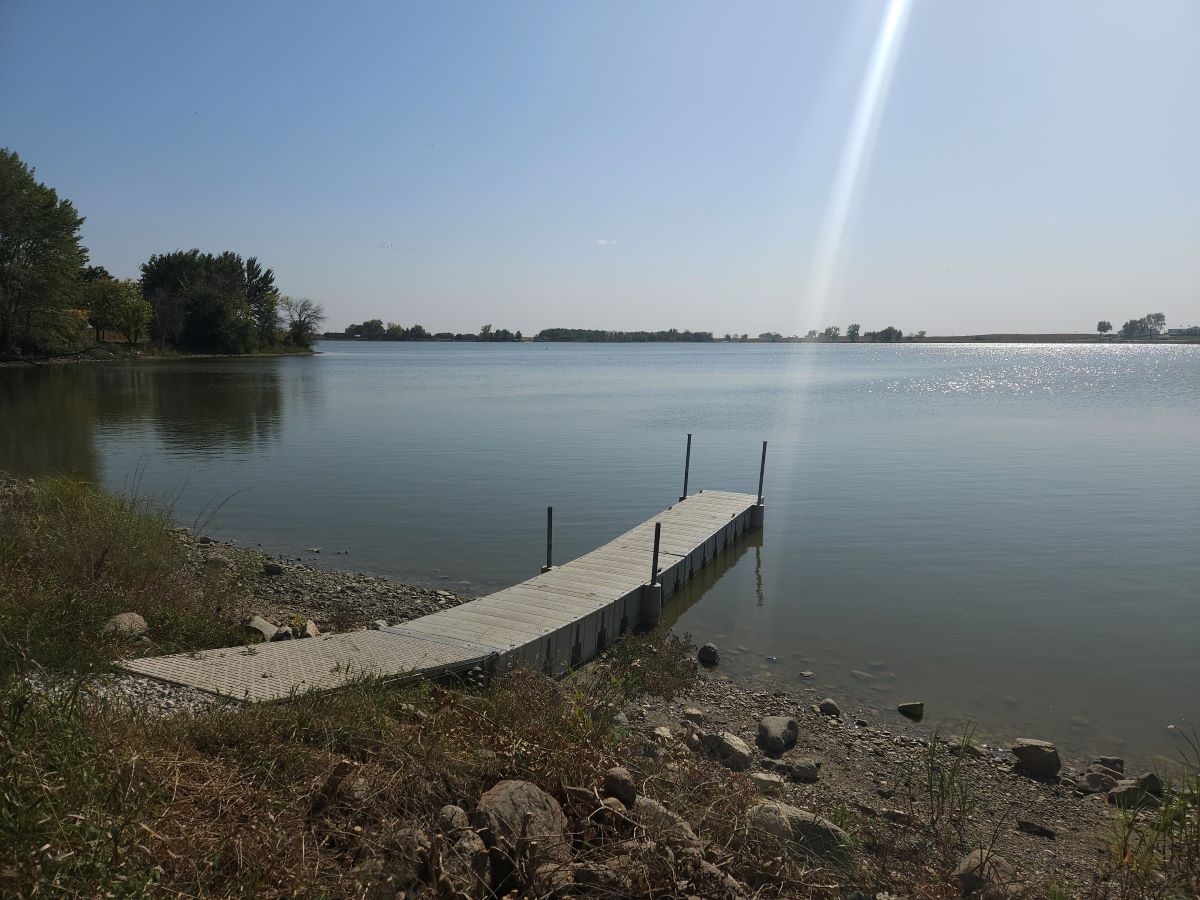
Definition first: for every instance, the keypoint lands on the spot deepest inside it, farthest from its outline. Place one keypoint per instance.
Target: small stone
(1130, 795)
(829, 707)
(272, 569)
(453, 818)
(1037, 758)
(709, 655)
(379, 624)
(620, 720)
(730, 749)
(1150, 783)
(1036, 828)
(258, 626)
(204, 539)
(807, 674)
(283, 633)
(983, 873)
(619, 783)
(309, 629)
(661, 824)
(800, 769)
(1115, 763)
(1095, 783)
(126, 624)
(663, 734)
(692, 714)
(767, 783)
(914, 711)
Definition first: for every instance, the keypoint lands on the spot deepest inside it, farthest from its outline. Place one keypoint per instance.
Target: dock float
(553, 622)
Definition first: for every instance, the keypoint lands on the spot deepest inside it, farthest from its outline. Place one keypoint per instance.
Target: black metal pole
(762, 470)
(654, 559)
(549, 536)
(687, 464)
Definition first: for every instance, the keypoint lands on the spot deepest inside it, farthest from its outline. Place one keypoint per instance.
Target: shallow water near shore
(1010, 533)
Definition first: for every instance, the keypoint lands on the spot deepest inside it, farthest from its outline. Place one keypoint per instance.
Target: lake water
(1010, 533)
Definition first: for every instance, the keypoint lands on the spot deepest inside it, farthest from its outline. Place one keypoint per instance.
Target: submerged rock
(709, 655)
(914, 711)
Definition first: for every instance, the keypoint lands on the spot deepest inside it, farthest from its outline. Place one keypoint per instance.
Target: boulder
(619, 783)
(282, 633)
(777, 733)
(272, 569)
(914, 710)
(1115, 763)
(709, 655)
(731, 750)
(257, 626)
(1114, 774)
(800, 769)
(126, 624)
(660, 824)
(308, 630)
(982, 874)
(800, 828)
(204, 539)
(1037, 758)
(829, 707)
(515, 810)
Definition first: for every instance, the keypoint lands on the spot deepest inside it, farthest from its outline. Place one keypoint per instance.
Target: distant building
(1193, 331)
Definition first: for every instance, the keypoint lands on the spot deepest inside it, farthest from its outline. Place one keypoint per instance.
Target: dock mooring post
(549, 539)
(652, 591)
(687, 464)
(759, 510)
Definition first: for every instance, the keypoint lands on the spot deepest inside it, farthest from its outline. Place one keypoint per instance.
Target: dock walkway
(552, 622)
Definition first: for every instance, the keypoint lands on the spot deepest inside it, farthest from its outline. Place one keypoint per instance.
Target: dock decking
(551, 622)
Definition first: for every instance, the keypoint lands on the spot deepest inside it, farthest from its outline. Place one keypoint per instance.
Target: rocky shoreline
(1049, 823)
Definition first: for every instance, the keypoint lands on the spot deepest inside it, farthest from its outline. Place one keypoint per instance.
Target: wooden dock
(552, 622)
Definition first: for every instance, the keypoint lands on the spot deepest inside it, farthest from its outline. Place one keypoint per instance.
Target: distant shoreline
(138, 354)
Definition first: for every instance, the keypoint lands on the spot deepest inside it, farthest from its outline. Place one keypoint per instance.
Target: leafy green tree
(130, 312)
(1104, 326)
(372, 329)
(394, 332)
(202, 302)
(303, 318)
(889, 335)
(93, 273)
(100, 297)
(40, 263)
(1147, 326)
(485, 331)
(853, 330)
(831, 332)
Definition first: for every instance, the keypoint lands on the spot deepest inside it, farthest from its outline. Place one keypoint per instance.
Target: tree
(852, 331)
(485, 331)
(1147, 326)
(831, 332)
(888, 335)
(40, 262)
(372, 330)
(100, 296)
(303, 316)
(1104, 326)
(812, 333)
(130, 311)
(263, 297)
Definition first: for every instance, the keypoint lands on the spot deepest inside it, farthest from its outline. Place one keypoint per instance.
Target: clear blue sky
(1029, 166)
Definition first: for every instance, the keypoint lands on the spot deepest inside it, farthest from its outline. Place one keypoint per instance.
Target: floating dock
(552, 622)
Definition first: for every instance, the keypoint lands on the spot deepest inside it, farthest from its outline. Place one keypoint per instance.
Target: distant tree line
(50, 297)
(1149, 325)
(375, 330)
(596, 336)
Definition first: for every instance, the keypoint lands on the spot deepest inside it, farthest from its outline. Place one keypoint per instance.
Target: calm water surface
(1010, 533)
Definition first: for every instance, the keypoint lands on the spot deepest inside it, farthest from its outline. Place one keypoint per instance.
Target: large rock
(1150, 783)
(1115, 763)
(1095, 783)
(453, 819)
(272, 569)
(777, 733)
(660, 824)
(767, 783)
(800, 828)
(731, 750)
(983, 875)
(619, 783)
(516, 810)
(126, 624)
(709, 655)
(1038, 758)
